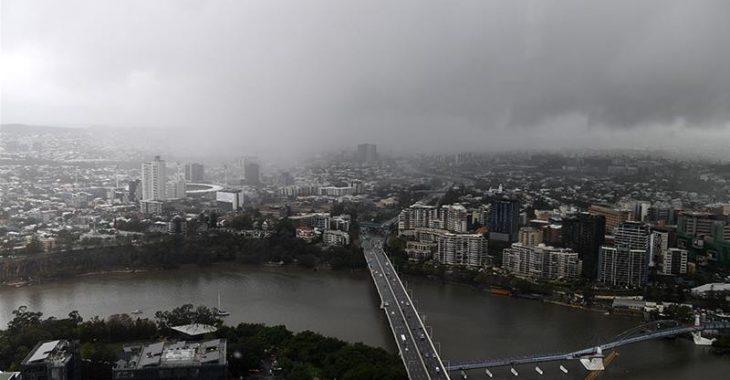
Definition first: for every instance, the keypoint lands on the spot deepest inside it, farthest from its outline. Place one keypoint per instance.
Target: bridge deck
(414, 344)
(587, 352)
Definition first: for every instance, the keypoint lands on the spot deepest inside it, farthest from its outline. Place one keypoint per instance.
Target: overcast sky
(414, 74)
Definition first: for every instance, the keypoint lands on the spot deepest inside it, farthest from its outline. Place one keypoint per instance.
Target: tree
(34, 246)
(241, 222)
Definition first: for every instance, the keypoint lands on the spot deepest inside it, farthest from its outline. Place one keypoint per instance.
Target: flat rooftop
(173, 354)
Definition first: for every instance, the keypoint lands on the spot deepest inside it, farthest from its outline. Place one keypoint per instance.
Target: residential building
(626, 263)
(419, 251)
(335, 237)
(154, 180)
(318, 220)
(674, 262)
(449, 217)
(453, 248)
(305, 233)
(541, 262)
(530, 236)
(151, 207)
(454, 218)
(462, 249)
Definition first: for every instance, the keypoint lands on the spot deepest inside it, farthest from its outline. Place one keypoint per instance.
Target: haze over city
(409, 75)
(364, 189)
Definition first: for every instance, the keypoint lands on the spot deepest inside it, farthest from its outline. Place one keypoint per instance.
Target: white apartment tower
(154, 179)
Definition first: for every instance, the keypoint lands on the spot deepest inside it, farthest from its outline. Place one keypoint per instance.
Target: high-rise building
(626, 263)
(674, 261)
(641, 211)
(455, 218)
(251, 172)
(462, 249)
(613, 217)
(194, 172)
(584, 233)
(367, 153)
(541, 262)
(504, 219)
(448, 217)
(453, 249)
(658, 246)
(530, 236)
(154, 180)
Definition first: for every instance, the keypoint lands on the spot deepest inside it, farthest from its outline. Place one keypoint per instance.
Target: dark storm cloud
(402, 73)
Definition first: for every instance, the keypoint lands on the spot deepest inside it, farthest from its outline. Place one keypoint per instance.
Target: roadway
(414, 344)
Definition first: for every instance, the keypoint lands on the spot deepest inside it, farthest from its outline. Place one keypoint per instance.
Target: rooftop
(56, 352)
(173, 354)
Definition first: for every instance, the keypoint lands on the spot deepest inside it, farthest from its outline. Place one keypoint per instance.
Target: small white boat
(137, 312)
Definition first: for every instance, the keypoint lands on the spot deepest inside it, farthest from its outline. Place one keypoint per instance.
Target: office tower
(613, 217)
(154, 180)
(367, 153)
(584, 233)
(626, 263)
(641, 211)
(194, 172)
(658, 246)
(504, 219)
(530, 236)
(251, 173)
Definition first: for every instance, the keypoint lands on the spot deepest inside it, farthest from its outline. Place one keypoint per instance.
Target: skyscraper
(584, 233)
(613, 217)
(194, 172)
(251, 172)
(504, 220)
(367, 153)
(627, 262)
(154, 180)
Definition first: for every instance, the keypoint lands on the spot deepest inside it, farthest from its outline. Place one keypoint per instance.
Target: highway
(414, 344)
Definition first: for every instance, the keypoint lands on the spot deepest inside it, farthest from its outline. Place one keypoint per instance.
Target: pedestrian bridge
(591, 357)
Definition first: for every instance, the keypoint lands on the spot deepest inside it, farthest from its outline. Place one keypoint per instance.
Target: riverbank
(173, 251)
(469, 324)
(251, 349)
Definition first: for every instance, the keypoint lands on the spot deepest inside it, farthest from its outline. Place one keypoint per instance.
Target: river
(467, 323)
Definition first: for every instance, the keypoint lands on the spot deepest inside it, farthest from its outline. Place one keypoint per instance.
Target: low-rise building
(173, 360)
(335, 237)
(57, 360)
